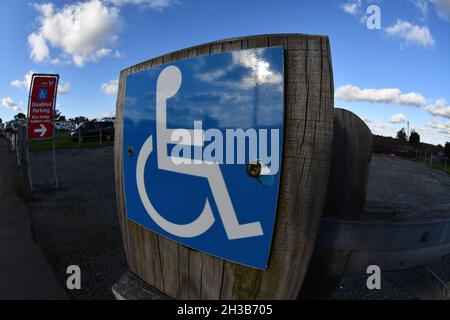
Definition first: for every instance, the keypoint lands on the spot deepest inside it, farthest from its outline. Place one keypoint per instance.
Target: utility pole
(407, 129)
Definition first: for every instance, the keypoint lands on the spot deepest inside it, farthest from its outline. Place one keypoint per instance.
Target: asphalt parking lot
(78, 223)
(406, 186)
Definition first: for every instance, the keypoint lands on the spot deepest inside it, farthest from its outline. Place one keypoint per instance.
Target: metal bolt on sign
(254, 169)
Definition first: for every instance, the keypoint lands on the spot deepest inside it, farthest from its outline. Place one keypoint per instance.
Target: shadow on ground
(78, 224)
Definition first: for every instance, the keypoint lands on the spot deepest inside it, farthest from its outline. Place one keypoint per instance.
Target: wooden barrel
(184, 273)
(400, 243)
(346, 197)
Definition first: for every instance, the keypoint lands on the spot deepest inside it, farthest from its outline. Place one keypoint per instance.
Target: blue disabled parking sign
(202, 151)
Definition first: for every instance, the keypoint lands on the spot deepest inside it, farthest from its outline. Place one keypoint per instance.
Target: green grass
(441, 166)
(64, 142)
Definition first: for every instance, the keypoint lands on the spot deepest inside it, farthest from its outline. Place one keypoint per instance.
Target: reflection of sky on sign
(228, 90)
(218, 89)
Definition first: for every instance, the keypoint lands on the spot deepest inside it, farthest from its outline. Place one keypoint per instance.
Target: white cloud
(411, 34)
(110, 88)
(251, 59)
(441, 127)
(352, 7)
(9, 103)
(435, 124)
(445, 131)
(385, 95)
(442, 8)
(260, 69)
(152, 4)
(412, 99)
(39, 49)
(16, 83)
(366, 120)
(25, 83)
(63, 88)
(109, 114)
(427, 133)
(422, 6)
(432, 135)
(398, 118)
(380, 128)
(57, 62)
(212, 76)
(438, 108)
(83, 32)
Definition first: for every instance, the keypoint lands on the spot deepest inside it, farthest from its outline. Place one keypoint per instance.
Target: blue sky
(398, 73)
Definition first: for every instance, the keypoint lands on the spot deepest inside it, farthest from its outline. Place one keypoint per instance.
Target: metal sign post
(54, 158)
(41, 111)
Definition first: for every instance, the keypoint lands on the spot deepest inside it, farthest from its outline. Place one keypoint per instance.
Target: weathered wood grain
(185, 273)
(130, 287)
(346, 196)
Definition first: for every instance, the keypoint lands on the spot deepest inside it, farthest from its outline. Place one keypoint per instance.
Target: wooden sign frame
(184, 273)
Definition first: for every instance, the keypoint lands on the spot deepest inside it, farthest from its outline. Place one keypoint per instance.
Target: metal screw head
(130, 151)
(254, 169)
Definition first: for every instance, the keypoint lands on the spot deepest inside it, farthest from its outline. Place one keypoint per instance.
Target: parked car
(10, 127)
(64, 125)
(108, 119)
(92, 130)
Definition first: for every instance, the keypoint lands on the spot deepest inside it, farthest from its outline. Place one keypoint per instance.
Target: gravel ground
(78, 223)
(404, 186)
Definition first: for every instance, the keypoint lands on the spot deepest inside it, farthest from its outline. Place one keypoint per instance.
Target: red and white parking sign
(41, 106)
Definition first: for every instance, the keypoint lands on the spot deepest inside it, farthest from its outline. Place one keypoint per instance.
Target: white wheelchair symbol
(168, 84)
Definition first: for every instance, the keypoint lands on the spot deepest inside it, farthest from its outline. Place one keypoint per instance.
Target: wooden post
(346, 197)
(17, 139)
(24, 159)
(101, 132)
(55, 172)
(13, 140)
(183, 273)
(57, 137)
